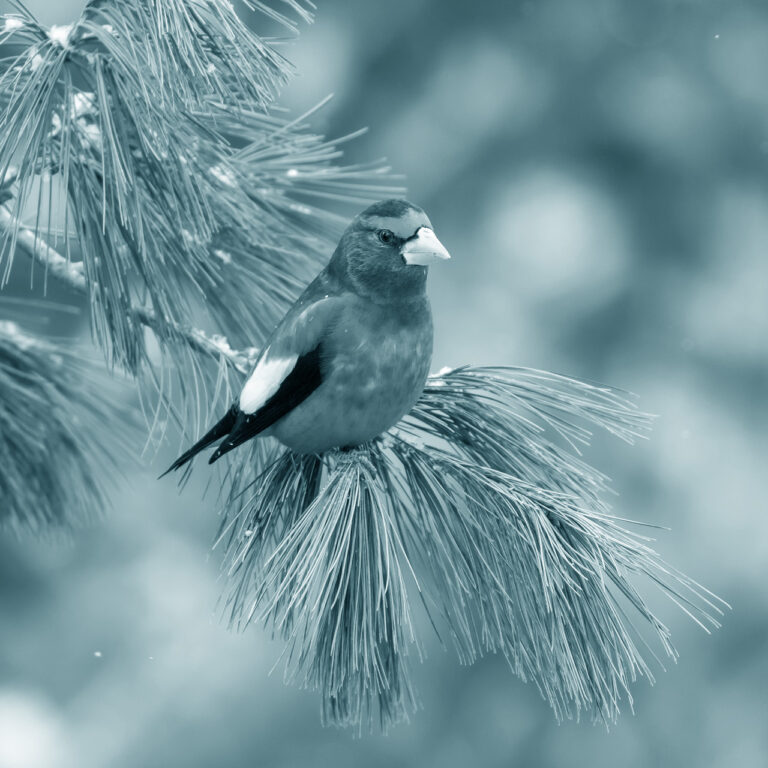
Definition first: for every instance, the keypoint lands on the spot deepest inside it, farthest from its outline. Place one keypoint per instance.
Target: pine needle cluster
(148, 150)
(477, 509)
(58, 462)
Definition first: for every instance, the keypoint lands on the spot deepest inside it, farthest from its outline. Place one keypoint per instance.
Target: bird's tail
(218, 430)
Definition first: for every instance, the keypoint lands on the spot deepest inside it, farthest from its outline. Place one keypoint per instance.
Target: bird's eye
(385, 236)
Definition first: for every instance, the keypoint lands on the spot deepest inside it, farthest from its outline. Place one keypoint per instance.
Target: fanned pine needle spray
(473, 508)
(143, 143)
(57, 459)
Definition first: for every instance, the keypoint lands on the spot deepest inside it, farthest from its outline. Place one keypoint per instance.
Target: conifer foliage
(478, 509)
(145, 148)
(144, 162)
(53, 396)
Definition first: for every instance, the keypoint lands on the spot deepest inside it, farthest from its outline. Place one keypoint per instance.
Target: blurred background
(599, 171)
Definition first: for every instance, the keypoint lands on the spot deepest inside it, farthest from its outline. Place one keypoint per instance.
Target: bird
(351, 356)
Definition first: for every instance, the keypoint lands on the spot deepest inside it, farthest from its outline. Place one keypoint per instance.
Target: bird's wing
(286, 374)
(291, 347)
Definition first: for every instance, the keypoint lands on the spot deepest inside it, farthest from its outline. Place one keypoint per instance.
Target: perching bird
(351, 356)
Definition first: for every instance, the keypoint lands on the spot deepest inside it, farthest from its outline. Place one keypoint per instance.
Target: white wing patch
(265, 381)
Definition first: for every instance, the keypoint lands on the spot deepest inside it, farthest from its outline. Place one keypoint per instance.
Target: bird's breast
(374, 366)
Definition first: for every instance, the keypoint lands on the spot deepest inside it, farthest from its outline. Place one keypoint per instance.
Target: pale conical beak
(424, 249)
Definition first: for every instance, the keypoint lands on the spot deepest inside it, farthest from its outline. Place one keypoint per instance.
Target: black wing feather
(297, 386)
(220, 429)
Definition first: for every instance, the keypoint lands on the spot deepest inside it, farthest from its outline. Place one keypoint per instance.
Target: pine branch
(71, 274)
(479, 504)
(197, 369)
(148, 122)
(144, 127)
(58, 459)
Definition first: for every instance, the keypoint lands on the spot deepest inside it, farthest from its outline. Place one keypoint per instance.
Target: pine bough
(469, 507)
(146, 147)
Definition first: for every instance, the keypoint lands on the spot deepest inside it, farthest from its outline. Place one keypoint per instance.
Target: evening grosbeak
(351, 356)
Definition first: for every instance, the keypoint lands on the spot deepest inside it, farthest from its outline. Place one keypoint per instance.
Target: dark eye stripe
(403, 227)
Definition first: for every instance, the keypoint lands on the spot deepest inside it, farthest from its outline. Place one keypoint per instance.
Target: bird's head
(385, 251)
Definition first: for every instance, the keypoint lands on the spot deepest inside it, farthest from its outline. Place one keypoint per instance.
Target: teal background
(599, 171)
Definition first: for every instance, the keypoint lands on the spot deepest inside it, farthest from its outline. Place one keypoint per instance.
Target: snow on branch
(71, 274)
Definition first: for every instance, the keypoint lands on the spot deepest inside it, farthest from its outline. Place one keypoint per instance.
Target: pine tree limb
(68, 272)
(151, 120)
(479, 505)
(71, 274)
